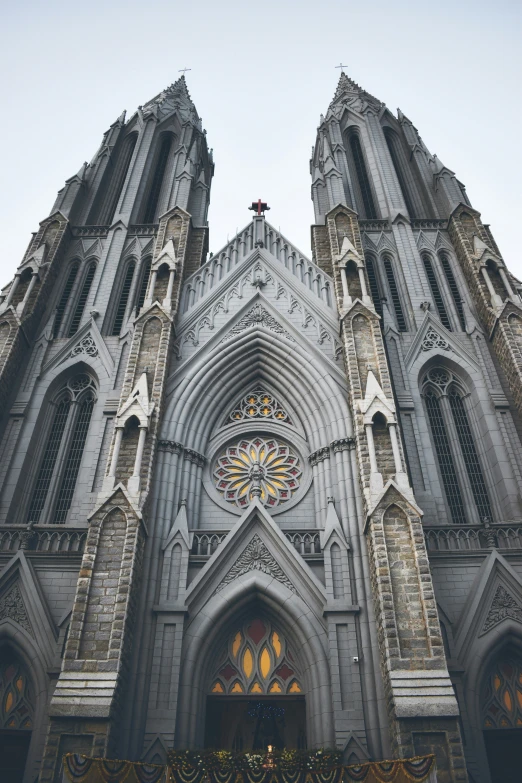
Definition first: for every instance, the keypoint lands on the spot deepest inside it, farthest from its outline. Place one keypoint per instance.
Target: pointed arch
(257, 593)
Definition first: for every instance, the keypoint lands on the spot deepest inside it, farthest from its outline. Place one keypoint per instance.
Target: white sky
(262, 73)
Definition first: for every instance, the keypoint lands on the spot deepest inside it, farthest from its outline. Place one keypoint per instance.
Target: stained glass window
(16, 695)
(502, 695)
(256, 659)
(261, 468)
(258, 405)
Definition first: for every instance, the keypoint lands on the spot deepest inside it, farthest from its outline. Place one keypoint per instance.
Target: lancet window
(395, 153)
(117, 176)
(157, 178)
(257, 659)
(374, 285)
(454, 443)
(16, 694)
(436, 292)
(363, 180)
(258, 404)
(82, 299)
(65, 297)
(124, 299)
(455, 293)
(502, 695)
(264, 468)
(63, 451)
(144, 282)
(394, 292)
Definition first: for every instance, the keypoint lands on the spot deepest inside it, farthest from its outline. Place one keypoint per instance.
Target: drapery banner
(83, 769)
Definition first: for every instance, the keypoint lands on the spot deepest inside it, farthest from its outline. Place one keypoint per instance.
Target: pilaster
(413, 663)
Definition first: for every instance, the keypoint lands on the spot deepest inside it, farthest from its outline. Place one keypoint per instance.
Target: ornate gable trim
(257, 316)
(502, 606)
(256, 557)
(12, 607)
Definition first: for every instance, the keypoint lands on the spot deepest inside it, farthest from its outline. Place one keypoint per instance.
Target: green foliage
(284, 760)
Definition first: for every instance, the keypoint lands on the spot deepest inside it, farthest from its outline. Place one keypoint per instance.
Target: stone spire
(347, 88)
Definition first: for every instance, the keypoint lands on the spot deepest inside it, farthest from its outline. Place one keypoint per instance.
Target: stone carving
(343, 444)
(257, 316)
(319, 456)
(432, 339)
(12, 606)
(502, 606)
(256, 557)
(86, 345)
(170, 445)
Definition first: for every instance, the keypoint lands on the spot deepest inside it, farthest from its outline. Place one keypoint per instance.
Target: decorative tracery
(261, 468)
(502, 702)
(258, 404)
(257, 660)
(16, 697)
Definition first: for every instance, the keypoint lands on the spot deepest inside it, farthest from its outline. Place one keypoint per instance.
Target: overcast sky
(262, 73)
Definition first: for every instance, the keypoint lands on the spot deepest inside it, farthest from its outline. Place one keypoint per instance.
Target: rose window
(261, 468)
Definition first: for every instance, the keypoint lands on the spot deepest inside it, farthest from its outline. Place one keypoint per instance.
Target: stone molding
(503, 606)
(12, 607)
(256, 557)
(174, 447)
(257, 316)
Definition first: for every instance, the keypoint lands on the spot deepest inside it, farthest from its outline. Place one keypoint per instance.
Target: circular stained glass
(261, 468)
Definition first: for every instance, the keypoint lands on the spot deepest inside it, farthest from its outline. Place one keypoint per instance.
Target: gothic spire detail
(347, 89)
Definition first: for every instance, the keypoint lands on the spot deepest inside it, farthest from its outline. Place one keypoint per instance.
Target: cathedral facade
(252, 498)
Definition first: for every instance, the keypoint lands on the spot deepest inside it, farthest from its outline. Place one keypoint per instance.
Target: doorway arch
(501, 715)
(17, 715)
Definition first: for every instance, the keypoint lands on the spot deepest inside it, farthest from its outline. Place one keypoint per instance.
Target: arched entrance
(255, 694)
(16, 716)
(501, 704)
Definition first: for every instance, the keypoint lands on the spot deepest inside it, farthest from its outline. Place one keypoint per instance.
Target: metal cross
(183, 70)
(342, 67)
(259, 206)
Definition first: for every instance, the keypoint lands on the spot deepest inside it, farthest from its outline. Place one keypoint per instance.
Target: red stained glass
(228, 672)
(284, 671)
(256, 631)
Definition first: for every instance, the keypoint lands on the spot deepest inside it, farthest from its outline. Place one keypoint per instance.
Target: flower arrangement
(321, 760)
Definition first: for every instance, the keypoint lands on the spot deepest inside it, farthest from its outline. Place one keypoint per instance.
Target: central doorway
(255, 695)
(243, 725)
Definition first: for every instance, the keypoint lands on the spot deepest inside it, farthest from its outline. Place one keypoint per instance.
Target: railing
(217, 267)
(306, 542)
(472, 538)
(429, 223)
(374, 225)
(48, 540)
(143, 229)
(90, 231)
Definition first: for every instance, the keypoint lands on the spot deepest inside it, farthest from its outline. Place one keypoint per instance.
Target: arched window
(365, 190)
(64, 299)
(124, 298)
(435, 291)
(144, 282)
(157, 178)
(374, 285)
(395, 153)
(82, 299)
(258, 660)
(17, 708)
(501, 708)
(115, 184)
(394, 292)
(452, 283)
(454, 445)
(60, 463)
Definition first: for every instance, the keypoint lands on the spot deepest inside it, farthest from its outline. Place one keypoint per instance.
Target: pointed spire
(346, 86)
(180, 526)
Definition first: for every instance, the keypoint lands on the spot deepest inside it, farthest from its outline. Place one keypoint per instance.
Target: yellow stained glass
(265, 663)
(12, 723)
(217, 688)
(496, 682)
(248, 662)
(20, 684)
(508, 701)
(9, 701)
(276, 644)
(294, 688)
(236, 688)
(519, 722)
(256, 688)
(236, 644)
(519, 697)
(275, 688)
(28, 724)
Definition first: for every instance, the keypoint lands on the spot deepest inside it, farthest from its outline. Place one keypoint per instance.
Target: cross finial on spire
(342, 67)
(184, 70)
(260, 207)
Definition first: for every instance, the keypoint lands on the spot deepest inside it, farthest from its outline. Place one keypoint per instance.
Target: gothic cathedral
(250, 497)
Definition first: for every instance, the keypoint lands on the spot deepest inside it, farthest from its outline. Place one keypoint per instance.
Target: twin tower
(256, 478)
